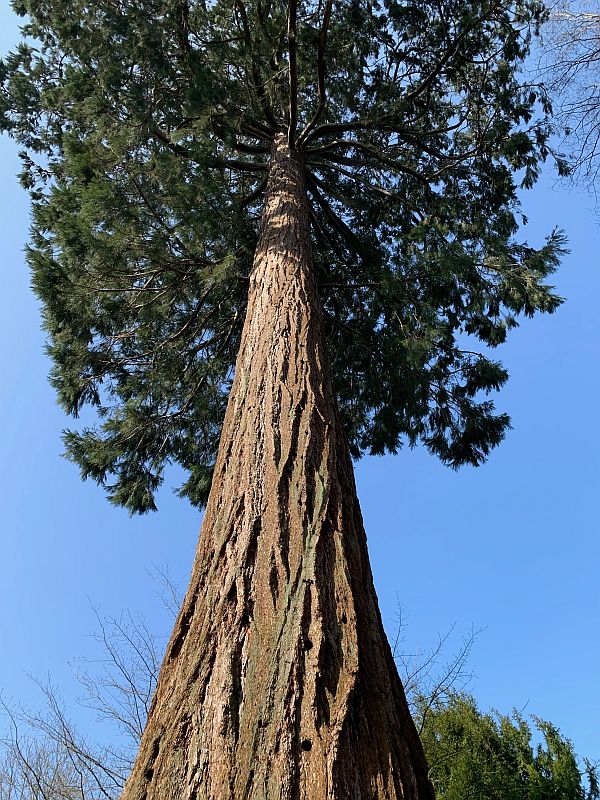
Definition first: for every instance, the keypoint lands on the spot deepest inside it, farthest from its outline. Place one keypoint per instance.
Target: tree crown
(146, 128)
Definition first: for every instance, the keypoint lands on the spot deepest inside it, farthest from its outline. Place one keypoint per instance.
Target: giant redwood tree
(270, 235)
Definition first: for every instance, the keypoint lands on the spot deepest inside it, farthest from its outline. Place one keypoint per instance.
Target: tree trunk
(278, 681)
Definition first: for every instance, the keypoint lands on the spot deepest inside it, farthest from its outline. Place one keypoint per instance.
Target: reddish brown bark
(278, 681)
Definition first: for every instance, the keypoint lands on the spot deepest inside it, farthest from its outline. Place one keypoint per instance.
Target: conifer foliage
(482, 755)
(146, 129)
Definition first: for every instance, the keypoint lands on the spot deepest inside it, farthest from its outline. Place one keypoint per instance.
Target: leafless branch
(570, 66)
(427, 683)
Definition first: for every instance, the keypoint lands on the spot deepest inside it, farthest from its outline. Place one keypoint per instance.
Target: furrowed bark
(278, 682)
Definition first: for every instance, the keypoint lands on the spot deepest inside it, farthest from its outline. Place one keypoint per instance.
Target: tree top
(146, 129)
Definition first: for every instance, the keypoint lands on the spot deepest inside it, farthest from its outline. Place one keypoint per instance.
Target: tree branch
(244, 166)
(249, 199)
(330, 215)
(373, 187)
(321, 66)
(256, 79)
(293, 72)
(370, 151)
(448, 55)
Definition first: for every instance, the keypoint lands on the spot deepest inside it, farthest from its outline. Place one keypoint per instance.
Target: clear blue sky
(512, 547)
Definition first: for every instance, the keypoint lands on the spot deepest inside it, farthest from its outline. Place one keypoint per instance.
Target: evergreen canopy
(481, 756)
(146, 128)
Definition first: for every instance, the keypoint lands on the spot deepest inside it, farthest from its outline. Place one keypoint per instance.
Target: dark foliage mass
(146, 128)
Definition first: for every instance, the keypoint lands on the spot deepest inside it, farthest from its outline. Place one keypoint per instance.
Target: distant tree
(570, 65)
(475, 755)
(32, 768)
(45, 754)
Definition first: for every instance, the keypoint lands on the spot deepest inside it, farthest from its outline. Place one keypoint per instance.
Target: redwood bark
(278, 682)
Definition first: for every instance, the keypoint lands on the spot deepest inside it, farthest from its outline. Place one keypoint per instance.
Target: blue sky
(512, 547)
